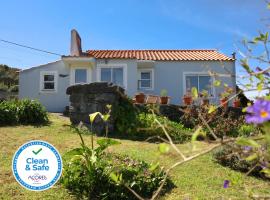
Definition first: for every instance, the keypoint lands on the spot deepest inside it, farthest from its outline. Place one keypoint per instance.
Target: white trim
(151, 70)
(41, 81)
(198, 74)
(88, 74)
(78, 59)
(114, 65)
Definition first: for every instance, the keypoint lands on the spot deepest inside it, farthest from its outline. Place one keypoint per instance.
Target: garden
(210, 152)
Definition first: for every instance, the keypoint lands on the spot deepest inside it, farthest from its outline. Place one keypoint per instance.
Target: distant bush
(149, 128)
(248, 130)
(223, 124)
(22, 112)
(8, 112)
(3, 87)
(31, 112)
(14, 88)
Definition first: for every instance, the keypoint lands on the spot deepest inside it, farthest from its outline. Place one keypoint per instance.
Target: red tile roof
(160, 55)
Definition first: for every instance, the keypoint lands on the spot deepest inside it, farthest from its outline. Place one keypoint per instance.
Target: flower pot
(187, 100)
(205, 102)
(236, 103)
(164, 100)
(224, 102)
(140, 98)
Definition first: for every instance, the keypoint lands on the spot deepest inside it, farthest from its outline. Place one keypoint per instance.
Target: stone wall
(94, 97)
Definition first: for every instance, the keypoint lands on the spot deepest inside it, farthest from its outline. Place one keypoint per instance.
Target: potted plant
(204, 97)
(225, 96)
(140, 97)
(236, 102)
(187, 99)
(164, 97)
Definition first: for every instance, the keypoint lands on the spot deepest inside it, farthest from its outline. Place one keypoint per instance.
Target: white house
(149, 71)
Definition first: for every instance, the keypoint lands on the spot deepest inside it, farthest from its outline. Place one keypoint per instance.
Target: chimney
(234, 55)
(75, 46)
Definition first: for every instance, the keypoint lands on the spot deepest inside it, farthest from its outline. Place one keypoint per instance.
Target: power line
(28, 47)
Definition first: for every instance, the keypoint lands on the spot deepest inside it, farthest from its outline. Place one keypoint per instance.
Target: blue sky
(125, 24)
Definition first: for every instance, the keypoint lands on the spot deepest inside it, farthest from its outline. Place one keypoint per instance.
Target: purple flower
(226, 184)
(259, 112)
(247, 148)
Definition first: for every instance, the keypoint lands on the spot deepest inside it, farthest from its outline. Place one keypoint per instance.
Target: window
(48, 81)
(80, 75)
(114, 75)
(145, 79)
(201, 82)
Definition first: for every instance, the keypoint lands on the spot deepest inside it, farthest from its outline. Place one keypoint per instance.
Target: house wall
(168, 75)
(29, 86)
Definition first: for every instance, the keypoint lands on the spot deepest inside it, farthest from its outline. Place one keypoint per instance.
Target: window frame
(185, 74)
(151, 79)
(88, 74)
(55, 81)
(111, 66)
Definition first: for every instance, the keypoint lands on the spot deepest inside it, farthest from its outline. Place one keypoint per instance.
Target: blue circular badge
(37, 165)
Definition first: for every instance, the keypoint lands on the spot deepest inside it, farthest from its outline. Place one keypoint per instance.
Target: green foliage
(8, 113)
(13, 88)
(3, 87)
(8, 76)
(126, 117)
(24, 112)
(31, 112)
(95, 174)
(149, 128)
(241, 158)
(163, 93)
(248, 130)
(222, 123)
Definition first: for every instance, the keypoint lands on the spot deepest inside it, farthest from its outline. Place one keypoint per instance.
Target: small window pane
(49, 86)
(145, 75)
(118, 76)
(191, 81)
(48, 77)
(205, 83)
(80, 76)
(105, 75)
(145, 83)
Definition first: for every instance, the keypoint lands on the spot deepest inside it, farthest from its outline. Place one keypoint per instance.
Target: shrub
(14, 88)
(31, 112)
(94, 174)
(236, 157)
(8, 113)
(24, 112)
(223, 123)
(3, 87)
(126, 116)
(248, 130)
(149, 128)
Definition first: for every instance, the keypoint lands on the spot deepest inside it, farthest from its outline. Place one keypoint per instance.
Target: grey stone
(90, 98)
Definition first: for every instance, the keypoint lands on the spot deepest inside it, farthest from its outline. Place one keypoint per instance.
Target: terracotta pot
(187, 100)
(164, 100)
(224, 102)
(205, 102)
(236, 103)
(140, 98)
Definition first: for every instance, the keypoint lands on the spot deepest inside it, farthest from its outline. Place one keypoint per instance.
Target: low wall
(94, 97)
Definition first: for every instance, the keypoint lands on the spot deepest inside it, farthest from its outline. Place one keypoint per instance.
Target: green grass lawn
(199, 179)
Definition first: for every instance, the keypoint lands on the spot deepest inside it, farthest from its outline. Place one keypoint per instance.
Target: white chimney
(75, 47)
